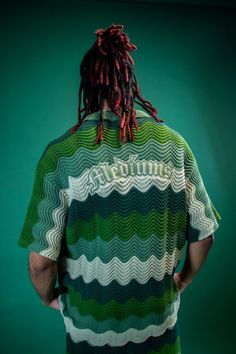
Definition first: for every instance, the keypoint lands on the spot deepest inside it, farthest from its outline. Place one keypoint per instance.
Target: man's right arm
(196, 254)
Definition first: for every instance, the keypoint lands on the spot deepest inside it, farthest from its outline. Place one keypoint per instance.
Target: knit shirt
(116, 218)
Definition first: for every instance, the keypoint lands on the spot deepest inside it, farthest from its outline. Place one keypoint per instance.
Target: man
(115, 200)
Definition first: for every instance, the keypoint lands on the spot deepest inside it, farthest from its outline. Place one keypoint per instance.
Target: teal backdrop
(185, 65)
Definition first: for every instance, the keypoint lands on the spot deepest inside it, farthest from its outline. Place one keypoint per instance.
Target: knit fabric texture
(116, 218)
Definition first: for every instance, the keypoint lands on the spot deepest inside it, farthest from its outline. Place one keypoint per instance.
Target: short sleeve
(44, 224)
(202, 216)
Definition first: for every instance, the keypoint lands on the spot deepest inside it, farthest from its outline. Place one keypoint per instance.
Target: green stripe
(83, 158)
(86, 139)
(125, 249)
(119, 311)
(126, 227)
(111, 323)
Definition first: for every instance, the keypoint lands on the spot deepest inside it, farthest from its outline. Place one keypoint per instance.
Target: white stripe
(55, 234)
(197, 210)
(79, 188)
(118, 339)
(122, 272)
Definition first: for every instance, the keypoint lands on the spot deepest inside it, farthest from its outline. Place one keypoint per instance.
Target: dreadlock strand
(96, 66)
(107, 80)
(101, 72)
(114, 78)
(133, 117)
(117, 65)
(129, 126)
(130, 58)
(100, 125)
(80, 93)
(126, 74)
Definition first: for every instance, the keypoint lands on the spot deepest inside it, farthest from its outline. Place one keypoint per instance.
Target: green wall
(185, 65)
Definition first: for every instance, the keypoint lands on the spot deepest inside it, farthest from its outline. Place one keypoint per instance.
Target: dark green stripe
(122, 293)
(142, 202)
(116, 310)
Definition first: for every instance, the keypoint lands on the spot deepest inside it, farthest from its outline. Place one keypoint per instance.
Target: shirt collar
(112, 116)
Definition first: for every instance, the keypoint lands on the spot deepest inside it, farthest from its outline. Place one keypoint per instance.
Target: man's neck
(106, 106)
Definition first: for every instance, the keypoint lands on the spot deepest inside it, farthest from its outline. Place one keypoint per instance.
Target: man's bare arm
(196, 255)
(43, 274)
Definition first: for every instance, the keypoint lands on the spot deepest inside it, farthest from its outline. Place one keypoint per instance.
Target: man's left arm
(43, 274)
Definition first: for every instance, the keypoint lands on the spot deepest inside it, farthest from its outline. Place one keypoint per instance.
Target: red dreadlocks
(107, 73)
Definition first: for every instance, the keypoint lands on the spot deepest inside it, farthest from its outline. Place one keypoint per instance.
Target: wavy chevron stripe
(119, 311)
(48, 224)
(85, 158)
(114, 338)
(116, 218)
(125, 249)
(158, 134)
(122, 272)
(79, 188)
(202, 215)
(136, 200)
(119, 325)
(126, 226)
(103, 294)
(115, 321)
(168, 343)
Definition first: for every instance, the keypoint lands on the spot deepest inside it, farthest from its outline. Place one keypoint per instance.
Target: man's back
(121, 216)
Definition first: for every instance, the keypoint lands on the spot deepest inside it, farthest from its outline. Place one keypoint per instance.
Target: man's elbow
(39, 264)
(207, 242)
(210, 240)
